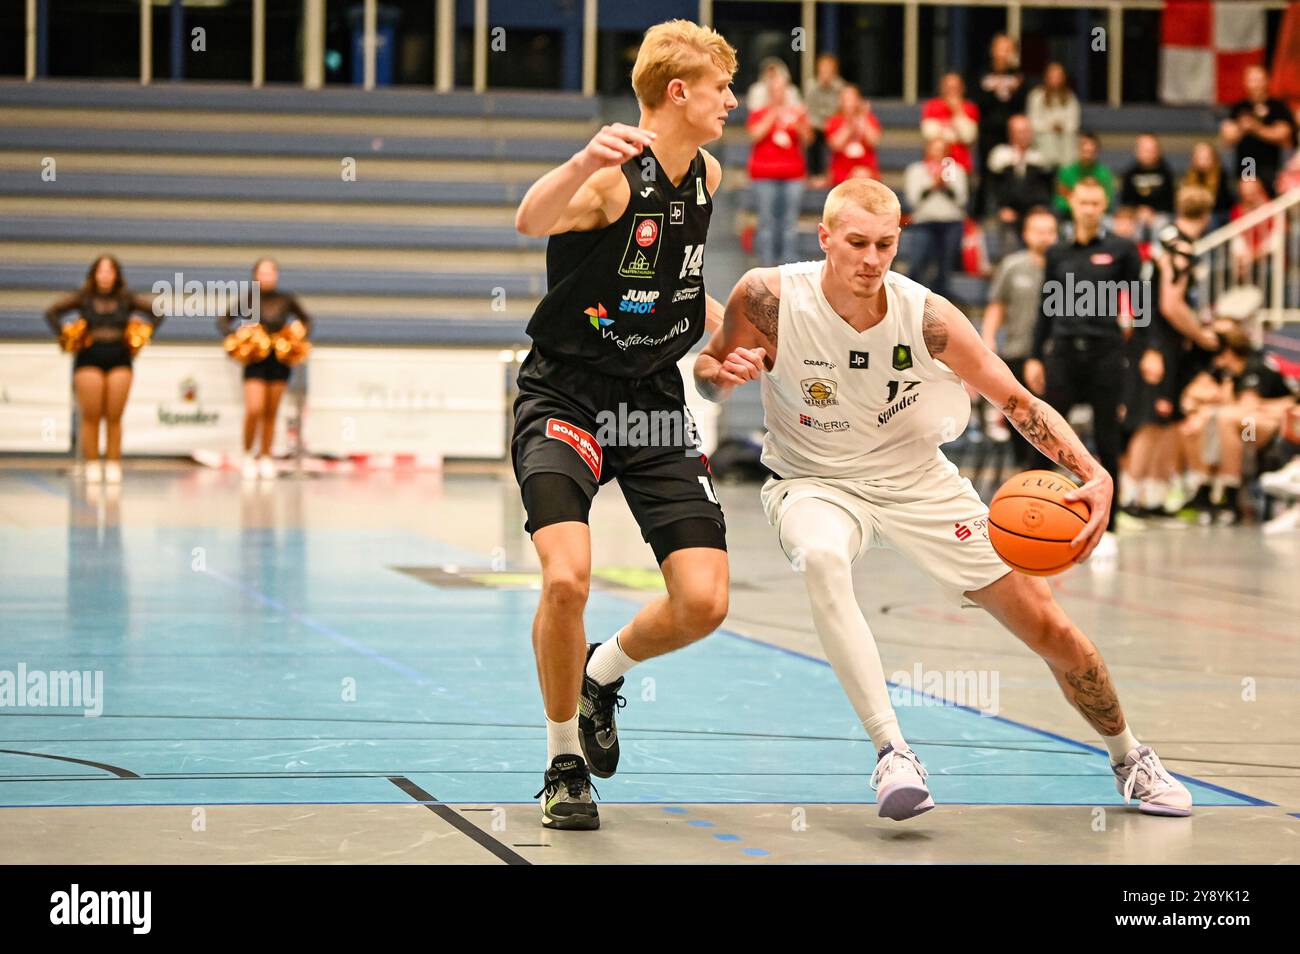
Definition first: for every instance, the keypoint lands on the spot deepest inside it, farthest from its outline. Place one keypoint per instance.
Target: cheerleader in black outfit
(265, 379)
(105, 337)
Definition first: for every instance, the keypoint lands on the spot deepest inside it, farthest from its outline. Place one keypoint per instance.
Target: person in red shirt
(852, 134)
(780, 132)
(952, 117)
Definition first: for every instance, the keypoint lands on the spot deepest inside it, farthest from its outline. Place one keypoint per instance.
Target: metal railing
(1260, 250)
(313, 47)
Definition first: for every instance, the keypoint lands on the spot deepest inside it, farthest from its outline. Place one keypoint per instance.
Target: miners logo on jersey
(818, 392)
(642, 246)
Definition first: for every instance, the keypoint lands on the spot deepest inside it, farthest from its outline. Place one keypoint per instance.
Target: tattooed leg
(1025, 605)
(1090, 690)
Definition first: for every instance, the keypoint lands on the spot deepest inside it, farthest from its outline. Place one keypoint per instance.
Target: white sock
(609, 662)
(1128, 490)
(562, 738)
(825, 539)
(1120, 745)
(1153, 492)
(1193, 480)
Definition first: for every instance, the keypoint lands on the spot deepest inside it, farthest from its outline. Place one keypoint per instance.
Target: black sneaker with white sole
(596, 707)
(566, 796)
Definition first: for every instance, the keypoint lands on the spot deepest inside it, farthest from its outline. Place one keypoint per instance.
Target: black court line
(454, 819)
(119, 772)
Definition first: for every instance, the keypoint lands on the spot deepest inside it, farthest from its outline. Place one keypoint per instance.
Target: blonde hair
(868, 194)
(677, 49)
(1194, 202)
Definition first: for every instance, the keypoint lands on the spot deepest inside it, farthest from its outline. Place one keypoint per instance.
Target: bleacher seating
(203, 179)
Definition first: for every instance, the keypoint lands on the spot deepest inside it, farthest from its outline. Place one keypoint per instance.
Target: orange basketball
(1031, 525)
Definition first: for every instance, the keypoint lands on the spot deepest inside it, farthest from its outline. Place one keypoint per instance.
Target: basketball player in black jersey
(265, 380)
(102, 370)
(628, 217)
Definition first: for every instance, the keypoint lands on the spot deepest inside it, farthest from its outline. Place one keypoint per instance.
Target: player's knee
(819, 560)
(565, 591)
(699, 610)
(1054, 630)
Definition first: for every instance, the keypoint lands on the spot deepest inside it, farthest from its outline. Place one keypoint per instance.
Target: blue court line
(410, 673)
(355, 645)
(1256, 802)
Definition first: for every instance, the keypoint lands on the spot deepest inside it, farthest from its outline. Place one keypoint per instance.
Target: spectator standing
(756, 96)
(852, 134)
(1001, 95)
(952, 117)
(936, 191)
(822, 97)
(1053, 111)
(1260, 127)
(779, 130)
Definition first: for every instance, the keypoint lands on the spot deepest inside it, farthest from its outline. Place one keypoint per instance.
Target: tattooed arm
(950, 337)
(745, 345)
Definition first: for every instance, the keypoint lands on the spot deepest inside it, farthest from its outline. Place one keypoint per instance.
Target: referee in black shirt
(1078, 350)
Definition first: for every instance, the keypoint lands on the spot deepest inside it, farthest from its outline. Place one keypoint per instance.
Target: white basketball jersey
(867, 405)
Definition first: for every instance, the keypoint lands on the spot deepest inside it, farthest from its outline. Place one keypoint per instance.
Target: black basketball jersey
(627, 300)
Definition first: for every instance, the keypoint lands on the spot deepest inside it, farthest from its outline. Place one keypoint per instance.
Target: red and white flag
(1204, 46)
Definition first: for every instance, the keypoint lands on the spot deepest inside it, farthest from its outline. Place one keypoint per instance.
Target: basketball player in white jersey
(862, 372)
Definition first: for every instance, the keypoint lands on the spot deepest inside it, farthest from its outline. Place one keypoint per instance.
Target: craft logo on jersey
(639, 301)
(642, 246)
(597, 315)
(581, 441)
(902, 357)
(817, 425)
(818, 392)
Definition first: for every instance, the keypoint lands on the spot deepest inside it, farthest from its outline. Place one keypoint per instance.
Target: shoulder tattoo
(762, 307)
(933, 329)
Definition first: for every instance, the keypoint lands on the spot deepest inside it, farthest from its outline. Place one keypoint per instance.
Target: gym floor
(338, 669)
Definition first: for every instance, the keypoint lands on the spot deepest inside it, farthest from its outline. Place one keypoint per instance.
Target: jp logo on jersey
(818, 392)
(642, 250)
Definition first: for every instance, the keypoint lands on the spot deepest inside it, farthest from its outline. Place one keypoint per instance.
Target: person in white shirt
(1053, 112)
(936, 192)
(862, 374)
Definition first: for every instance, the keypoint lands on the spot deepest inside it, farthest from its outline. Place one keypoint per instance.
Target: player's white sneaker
(93, 472)
(899, 783)
(1141, 776)
(250, 467)
(1285, 522)
(1284, 482)
(266, 468)
(1107, 548)
(112, 472)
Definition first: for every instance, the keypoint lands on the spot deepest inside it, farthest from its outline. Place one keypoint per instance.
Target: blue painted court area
(296, 666)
